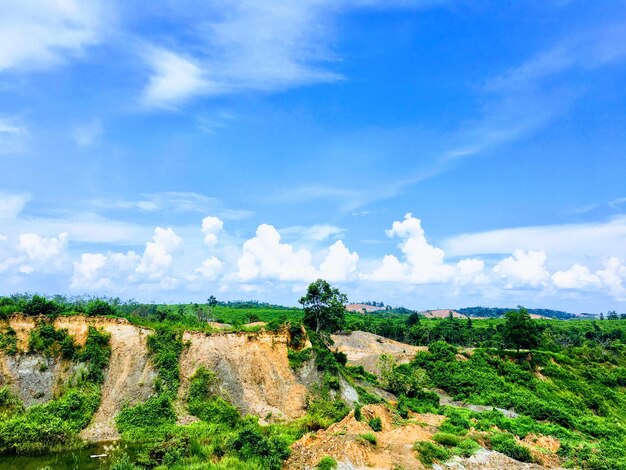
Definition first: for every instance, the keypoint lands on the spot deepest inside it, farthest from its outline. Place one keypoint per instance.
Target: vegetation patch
(8, 341)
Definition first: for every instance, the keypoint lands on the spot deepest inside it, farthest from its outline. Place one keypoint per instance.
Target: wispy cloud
(241, 46)
(88, 133)
(173, 201)
(12, 204)
(37, 35)
(601, 239)
(12, 135)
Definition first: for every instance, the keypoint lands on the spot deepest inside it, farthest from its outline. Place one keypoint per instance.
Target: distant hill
(495, 312)
(359, 308)
(441, 313)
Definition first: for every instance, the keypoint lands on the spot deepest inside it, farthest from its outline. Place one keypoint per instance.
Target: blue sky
(422, 153)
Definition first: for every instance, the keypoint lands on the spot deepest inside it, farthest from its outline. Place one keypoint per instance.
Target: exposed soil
(129, 378)
(343, 442)
(253, 372)
(364, 349)
(486, 460)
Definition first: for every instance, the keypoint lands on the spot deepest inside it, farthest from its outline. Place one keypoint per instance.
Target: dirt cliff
(252, 368)
(253, 372)
(364, 349)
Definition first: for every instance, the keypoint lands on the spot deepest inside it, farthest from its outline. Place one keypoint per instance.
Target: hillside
(270, 394)
(495, 312)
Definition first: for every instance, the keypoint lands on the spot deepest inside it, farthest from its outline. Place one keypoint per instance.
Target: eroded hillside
(252, 368)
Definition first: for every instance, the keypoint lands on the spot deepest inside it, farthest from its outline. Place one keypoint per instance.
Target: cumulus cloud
(210, 268)
(340, 263)
(40, 35)
(264, 256)
(211, 227)
(157, 256)
(41, 252)
(524, 268)
(613, 276)
(576, 277)
(94, 271)
(424, 263)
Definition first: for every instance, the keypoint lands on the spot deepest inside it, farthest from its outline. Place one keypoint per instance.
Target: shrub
(357, 412)
(250, 443)
(96, 353)
(446, 439)
(369, 437)
(100, 308)
(326, 463)
(165, 347)
(298, 358)
(376, 424)
(39, 305)
(506, 444)
(46, 340)
(8, 341)
(429, 452)
(156, 411)
(123, 463)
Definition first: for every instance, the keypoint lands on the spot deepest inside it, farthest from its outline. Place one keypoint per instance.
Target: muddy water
(79, 459)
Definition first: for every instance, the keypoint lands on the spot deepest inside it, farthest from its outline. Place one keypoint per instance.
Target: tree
(212, 301)
(324, 307)
(519, 329)
(100, 308)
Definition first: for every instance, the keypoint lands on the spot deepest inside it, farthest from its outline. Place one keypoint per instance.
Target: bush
(326, 463)
(39, 305)
(446, 439)
(369, 437)
(165, 347)
(46, 340)
(506, 444)
(429, 452)
(50, 426)
(96, 353)
(250, 443)
(357, 412)
(376, 424)
(298, 358)
(100, 308)
(155, 412)
(8, 341)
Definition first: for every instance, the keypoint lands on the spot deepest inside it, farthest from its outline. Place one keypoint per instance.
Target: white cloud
(524, 268)
(313, 233)
(12, 135)
(241, 45)
(42, 249)
(37, 35)
(576, 277)
(264, 256)
(12, 204)
(175, 79)
(423, 263)
(613, 276)
(96, 271)
(602, 239)
(340, 264)
(174, 201)
(211, 227)
(87, 134)
(210, 268)
(157, 256)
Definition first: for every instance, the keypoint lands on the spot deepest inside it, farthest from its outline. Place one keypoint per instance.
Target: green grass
(369, 438)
